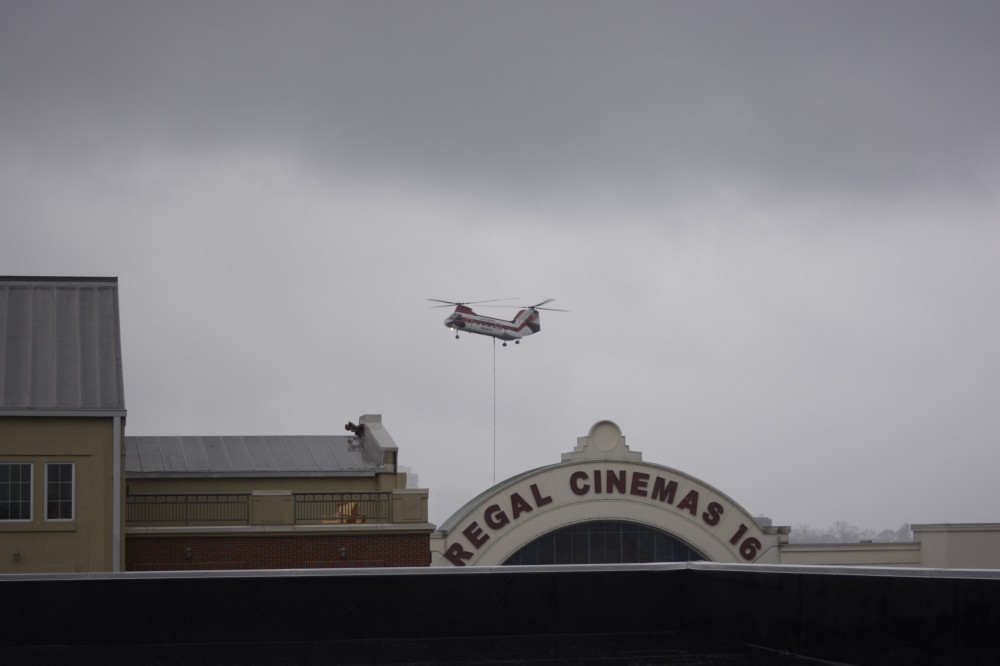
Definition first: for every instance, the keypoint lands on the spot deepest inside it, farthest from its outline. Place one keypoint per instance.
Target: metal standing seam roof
(290, 455)
(60, 345)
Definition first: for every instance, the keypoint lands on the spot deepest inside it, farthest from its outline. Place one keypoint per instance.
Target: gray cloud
(774, 225)
(886, 98)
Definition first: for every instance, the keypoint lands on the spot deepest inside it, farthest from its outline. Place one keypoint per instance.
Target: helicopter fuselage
(464, 319)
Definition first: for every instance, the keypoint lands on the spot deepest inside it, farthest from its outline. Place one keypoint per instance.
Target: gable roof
(60, 347)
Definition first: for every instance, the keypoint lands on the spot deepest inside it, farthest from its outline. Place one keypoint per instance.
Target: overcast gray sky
(776, 225)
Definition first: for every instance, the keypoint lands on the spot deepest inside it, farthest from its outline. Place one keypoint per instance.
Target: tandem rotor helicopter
(526, 322)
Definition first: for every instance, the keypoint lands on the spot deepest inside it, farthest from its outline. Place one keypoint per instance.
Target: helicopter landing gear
(456, 336)
(504, 344)
(517, 342)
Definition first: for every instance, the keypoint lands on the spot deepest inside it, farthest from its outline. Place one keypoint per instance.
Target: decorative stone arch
(602, 480)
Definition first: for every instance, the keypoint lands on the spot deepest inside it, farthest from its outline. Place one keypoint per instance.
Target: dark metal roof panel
(282, 456)
(145, 451)
(60, 345)
(325, 456)
(236, 453)
(260, 457)
(172, 454)
(305, 457)
(193, 454)
(253, 455)
(215, 453)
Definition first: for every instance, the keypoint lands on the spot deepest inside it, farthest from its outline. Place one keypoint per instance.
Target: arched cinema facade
(603, 504)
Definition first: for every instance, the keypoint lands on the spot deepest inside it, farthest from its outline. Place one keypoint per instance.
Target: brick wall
(185, 553)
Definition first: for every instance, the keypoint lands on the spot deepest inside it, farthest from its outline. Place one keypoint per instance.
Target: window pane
(579, 548)
(630, 547)
(545, 547)
(597, 550)
(15, 491)
(59, 491)
(563, 547)
(605, 542)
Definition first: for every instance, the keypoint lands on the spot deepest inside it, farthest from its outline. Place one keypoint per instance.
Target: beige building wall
(852, 554)
(942, 546)
(959, 546)
(87, 542)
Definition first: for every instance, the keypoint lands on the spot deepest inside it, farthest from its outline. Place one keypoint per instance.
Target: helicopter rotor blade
(537, 306)
(547, 300)
(446, 304)
(450, 303)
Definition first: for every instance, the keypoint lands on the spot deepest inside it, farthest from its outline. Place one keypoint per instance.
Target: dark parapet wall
(234, 607)
(416, 615)
(852, 615)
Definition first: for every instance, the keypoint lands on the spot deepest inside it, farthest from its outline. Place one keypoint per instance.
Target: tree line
(843, 532)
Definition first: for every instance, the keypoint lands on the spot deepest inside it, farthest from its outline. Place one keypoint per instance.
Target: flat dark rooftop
(636, 615)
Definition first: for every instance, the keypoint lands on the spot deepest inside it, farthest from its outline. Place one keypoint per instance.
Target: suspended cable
(494, 411)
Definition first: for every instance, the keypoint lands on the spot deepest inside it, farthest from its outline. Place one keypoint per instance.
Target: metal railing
(235, 508)
(182, 509)
(342, 508)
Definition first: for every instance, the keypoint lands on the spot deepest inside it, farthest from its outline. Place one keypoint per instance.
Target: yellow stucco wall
(84, 543)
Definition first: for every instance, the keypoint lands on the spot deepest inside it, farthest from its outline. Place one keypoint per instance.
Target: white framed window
(59, 489)
(15, 491)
